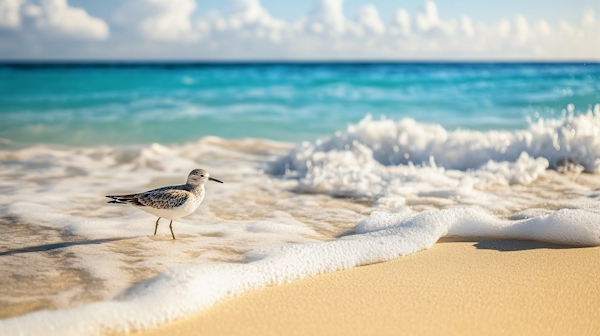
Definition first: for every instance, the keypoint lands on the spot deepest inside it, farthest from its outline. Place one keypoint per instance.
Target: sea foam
(383, 236)
(572, 139)
(382, 158)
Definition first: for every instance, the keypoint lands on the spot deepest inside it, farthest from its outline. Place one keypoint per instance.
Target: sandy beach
(466, 287)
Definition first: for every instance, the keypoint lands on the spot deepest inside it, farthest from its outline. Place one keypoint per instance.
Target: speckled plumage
(161, 198)
(171, 202)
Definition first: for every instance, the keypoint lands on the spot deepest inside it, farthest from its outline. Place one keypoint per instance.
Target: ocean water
(111, 104)
(326, 167)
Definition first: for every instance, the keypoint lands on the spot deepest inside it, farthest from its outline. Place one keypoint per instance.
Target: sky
(299, 30)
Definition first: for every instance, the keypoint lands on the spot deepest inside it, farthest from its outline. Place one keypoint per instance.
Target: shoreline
(459, 286)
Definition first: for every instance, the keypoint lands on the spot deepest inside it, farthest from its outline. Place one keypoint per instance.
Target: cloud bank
(146, 29)
(50, 19)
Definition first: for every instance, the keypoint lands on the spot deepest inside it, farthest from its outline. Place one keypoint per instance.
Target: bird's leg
(171, 227)
(156, 228)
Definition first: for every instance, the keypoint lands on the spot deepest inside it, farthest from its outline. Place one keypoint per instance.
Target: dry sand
(483, 287)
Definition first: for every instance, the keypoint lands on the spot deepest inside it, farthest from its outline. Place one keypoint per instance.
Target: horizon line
(286, 61)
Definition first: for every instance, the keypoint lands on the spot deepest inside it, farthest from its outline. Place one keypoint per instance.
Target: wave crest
(369, 158)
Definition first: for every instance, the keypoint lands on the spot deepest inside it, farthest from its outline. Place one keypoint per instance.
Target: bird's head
(198, 177)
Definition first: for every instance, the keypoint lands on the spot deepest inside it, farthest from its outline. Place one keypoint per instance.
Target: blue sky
(304, 29)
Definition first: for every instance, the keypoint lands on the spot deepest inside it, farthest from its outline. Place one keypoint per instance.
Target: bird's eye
(201, 175)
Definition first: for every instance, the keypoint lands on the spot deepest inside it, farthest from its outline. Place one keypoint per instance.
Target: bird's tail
(118, 199)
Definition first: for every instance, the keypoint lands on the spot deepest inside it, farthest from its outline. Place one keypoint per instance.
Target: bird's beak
(214, 179)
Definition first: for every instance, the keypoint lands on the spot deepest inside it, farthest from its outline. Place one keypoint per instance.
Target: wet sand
(466, 287)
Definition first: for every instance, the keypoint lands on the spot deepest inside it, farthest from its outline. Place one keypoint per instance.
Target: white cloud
(589, 18)
(400, 23)
(51, 19)
(158, 20)
(327, 16)
(248, 20)
(522, 30)
(503, 28)
(173, 21)
(565, 28)
(543, 28)
(427, 18)
(251, 12)
(466, 26)
(10, 16)
(249, 16)
(57, 18)
(369, 19)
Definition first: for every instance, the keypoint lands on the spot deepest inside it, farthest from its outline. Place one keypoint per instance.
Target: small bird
(171, 202)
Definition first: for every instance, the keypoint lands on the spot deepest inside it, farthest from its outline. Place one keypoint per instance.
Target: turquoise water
(89, 104)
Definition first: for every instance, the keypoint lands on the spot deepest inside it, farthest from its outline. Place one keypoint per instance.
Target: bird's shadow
(50, 247)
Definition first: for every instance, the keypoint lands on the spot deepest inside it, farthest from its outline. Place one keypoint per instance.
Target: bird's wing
(167, 199)
(162, 198)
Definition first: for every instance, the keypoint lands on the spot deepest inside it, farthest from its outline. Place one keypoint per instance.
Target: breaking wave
(377, 158)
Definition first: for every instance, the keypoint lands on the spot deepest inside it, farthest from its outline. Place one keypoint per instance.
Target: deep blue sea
(89, 104)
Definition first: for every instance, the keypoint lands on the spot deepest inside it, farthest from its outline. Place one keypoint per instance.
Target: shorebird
(171, 202)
